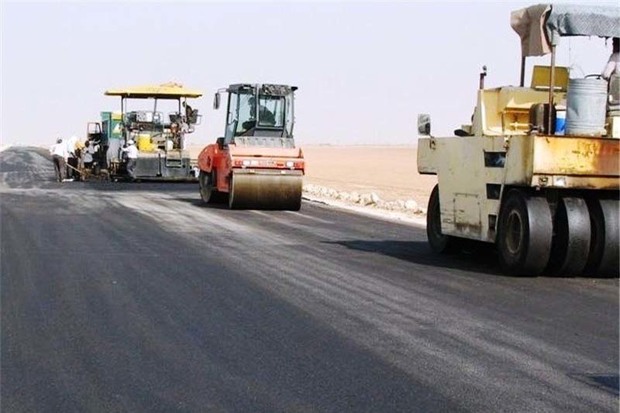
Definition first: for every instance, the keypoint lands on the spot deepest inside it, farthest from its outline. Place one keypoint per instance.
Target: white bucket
(586, 106)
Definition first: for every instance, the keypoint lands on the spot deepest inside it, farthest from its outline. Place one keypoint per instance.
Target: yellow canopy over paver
(170, 90)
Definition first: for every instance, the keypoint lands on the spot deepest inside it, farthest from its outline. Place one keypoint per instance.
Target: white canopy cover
(538, 25)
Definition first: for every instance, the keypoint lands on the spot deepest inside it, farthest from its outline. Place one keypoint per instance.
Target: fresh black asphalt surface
(119, 297)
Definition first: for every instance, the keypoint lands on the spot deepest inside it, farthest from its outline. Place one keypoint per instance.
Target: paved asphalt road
(135, 298)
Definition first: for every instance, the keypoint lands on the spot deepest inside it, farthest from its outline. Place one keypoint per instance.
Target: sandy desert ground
(389, 171)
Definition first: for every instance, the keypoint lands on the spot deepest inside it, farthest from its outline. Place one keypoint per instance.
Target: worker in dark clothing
(613, 64)
(266, 117)
(190, 114)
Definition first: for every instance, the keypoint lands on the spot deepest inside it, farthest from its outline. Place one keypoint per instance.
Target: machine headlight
(290, 164)
(560, 181)
(246, 162)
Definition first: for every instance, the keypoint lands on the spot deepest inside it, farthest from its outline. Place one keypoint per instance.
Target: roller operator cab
(158, 119)
(256, 164)
(537, 171)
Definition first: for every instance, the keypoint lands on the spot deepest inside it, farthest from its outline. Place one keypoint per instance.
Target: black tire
(232, 204)
(208, 191)
(440, 243)
(603, 257)
(524, 234)
(296, 206)
(571, 239)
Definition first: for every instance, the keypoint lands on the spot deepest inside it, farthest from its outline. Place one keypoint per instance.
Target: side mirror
(216, 101)
(424, 124)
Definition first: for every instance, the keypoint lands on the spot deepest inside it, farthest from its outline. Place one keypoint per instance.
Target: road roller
(256, 164)
(537, 171)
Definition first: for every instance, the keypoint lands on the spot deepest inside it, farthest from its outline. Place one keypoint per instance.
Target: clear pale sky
(364, 69)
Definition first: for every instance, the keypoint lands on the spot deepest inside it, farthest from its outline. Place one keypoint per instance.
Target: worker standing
(190, 119)
(613, 64)
(89, 151)
(73, 148)
(176, 136)
(190, 114)
(59, 155)
(132, 156)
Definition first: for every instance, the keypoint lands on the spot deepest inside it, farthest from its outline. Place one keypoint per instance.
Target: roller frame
(440, 243)
(208, 190)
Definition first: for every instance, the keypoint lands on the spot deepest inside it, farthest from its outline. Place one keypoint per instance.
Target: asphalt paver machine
(159, 131)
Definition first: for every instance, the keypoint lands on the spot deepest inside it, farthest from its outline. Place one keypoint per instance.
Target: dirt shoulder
(380, 177)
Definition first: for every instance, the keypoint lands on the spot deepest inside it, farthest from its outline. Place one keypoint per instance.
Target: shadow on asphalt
(199, 203)
(606, 382)
(123, 186)
(478, 257)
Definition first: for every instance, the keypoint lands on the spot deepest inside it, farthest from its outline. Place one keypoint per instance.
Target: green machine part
(111, 125)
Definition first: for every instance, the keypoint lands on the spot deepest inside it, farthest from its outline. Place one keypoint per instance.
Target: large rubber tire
(208, 191)
(571, 240)
(603, 257)
(440, 243)
(524, 234)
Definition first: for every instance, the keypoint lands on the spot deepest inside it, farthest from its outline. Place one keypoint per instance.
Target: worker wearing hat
(132, 156)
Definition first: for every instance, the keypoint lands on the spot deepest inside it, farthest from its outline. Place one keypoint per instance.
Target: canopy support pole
(522, 82)
(123, 118)
(551, 88)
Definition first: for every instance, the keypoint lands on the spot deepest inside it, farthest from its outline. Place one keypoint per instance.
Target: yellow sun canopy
(168, 90)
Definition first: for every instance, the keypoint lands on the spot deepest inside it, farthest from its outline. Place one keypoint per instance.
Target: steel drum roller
(266, 190)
